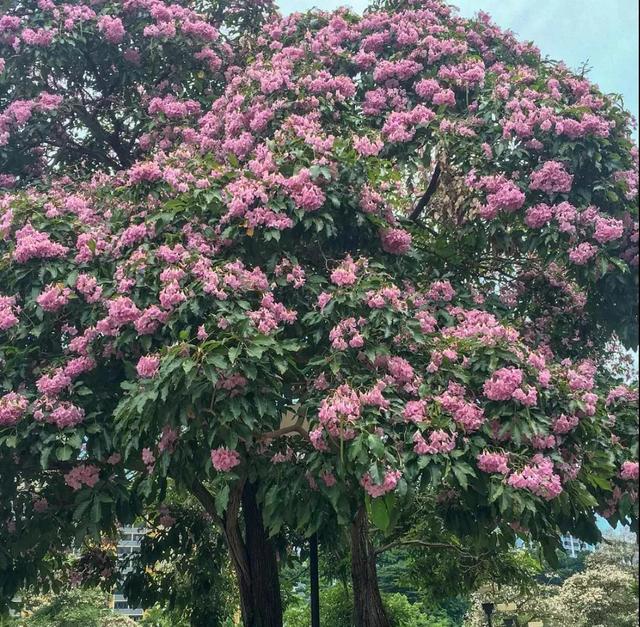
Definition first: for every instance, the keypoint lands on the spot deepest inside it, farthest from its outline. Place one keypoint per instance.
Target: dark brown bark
(266, 605)
(253, 556)
(431, 190)
(367, 601)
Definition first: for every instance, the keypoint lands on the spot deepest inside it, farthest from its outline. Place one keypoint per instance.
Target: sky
(602, 32)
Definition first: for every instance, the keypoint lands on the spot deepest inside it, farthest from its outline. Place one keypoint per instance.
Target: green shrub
(336, 610)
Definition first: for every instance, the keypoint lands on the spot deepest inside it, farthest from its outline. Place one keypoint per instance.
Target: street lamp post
(488, 610)
(315, 580)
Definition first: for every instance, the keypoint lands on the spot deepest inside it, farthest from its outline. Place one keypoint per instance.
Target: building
(128, 542)
(574, 547)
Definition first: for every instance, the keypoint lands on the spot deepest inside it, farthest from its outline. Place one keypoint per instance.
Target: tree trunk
(253, 556)
(368, 608)
(264, 594)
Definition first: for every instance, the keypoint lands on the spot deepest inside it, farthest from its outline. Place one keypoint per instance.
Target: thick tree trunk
(368, 608)
(253, 556)
(264, 598)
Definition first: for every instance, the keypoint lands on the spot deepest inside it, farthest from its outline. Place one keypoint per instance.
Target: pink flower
(148, 365)
(12, 408)
(85, 474)
(538, 216)
(32, 244)
(366, 147)
(539, 478)
(112, 28)
(396, 241)
(388, 484)
(415, 411)
(8, 312)
(629, 471)
(54, 298)
(439, 442)
(224, 459)
(582, 253)
(494, 463)
(401, 370)
(345, 273)
(551, 177)
(503, 384)
(565, 424)
(608, 230)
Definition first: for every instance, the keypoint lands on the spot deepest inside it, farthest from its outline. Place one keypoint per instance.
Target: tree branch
(427, 545)
(431, 190)
(296, 428)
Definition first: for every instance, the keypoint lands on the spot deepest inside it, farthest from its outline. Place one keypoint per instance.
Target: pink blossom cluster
(396, 241)
(294, 274)
(552, 177)
(401, 126)
(271, 315)
(389, 483)
(347, 334)
(12, 407)
(441, 291)
(9, 311)
(224, 459)
(505, 384)
(339, 411)
(629, 471)
(32, 244)
(494, 463)
(467, 414)
(61, 414)
(439, 441)
(502, 194)
(112, 28)
(538, 477)
(172, 108)
(367, 147)
(583, 253)
(148, 366)
(346, 273)
(84, 474)
(390, 296)
(415, 411)
(54, 297)
(87, 285)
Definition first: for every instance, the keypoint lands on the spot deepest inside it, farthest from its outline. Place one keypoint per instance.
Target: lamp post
(315, 580)
(488, 610)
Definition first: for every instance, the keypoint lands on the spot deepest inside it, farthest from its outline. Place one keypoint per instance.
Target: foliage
(76, 607)
(604, 594)
(336, 609)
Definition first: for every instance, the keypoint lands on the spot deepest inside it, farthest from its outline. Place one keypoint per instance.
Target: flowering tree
(81, 83)
(394, 254)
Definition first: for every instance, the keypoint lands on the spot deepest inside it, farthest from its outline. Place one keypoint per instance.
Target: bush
(336, 610)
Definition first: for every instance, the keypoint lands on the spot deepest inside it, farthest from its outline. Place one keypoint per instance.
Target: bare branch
(428, 195)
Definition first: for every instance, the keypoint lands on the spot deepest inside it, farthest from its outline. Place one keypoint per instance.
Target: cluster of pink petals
(396, 241)
(346, 273)
(551, 178)
(388, 484)
(54, 297)
(505, 384)
(12, 407)
(112, 28)
(629, 471)
(224, 460)
(148, 366)
(415, 411)
(85, 474)
(338, 411)
(539, 478)
(8, 312)
(494, 463)
(346, 334)
(271, 315)
(32, 244)
(439, 441)
(467, 414)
